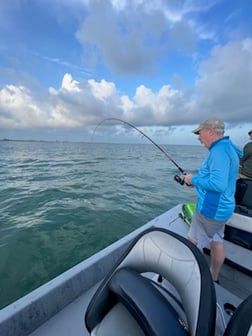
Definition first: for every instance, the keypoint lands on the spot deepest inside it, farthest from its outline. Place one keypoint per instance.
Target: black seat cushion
(151, 310)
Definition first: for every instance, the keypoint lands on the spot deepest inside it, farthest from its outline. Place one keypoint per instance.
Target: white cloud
(102, 90)
(223, 88)
(18, 109)
(150, 28)
(69, 84)
(225, 81)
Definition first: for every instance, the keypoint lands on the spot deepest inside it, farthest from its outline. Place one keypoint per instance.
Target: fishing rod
(177, 178)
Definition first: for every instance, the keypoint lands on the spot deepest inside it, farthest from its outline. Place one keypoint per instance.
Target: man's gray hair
(219, 131)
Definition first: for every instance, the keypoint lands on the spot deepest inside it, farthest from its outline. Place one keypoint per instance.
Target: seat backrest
(241, 321)
(178, 261)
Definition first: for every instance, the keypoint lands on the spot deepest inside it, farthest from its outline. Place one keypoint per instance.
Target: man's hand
(187, 178)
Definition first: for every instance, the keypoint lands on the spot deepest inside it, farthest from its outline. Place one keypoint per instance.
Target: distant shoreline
(87, 142)
(27, 140)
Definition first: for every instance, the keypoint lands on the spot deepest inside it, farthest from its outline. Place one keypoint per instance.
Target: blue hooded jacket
(215, 182)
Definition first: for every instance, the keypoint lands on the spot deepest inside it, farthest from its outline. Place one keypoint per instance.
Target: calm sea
(61, 202)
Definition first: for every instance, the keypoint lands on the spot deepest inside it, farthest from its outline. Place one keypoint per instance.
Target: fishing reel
(179, 179)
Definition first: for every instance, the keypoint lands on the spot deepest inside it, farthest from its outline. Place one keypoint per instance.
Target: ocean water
(60, 202)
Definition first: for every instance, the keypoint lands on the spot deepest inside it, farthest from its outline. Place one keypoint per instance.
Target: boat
(152, 281)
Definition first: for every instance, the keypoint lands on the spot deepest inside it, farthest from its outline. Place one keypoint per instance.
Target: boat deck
(69, 321)
(68, 295)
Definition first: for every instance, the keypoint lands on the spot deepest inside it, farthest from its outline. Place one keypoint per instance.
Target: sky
(161, 65)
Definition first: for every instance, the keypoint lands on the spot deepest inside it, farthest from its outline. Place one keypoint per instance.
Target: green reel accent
(187, 212)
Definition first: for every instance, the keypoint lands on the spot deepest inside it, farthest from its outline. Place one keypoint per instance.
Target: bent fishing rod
(177, 178)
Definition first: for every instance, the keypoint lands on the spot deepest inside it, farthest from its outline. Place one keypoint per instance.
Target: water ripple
(61, 202)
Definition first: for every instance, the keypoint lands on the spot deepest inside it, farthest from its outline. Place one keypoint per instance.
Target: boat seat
(239, 227)
(241, 321)
(150, 309)
(126, 294)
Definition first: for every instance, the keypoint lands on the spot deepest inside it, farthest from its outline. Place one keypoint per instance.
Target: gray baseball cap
(214, 123)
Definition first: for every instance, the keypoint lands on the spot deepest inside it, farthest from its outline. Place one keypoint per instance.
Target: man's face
(205, 137)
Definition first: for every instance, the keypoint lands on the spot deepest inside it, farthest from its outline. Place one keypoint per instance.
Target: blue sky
(163, 66)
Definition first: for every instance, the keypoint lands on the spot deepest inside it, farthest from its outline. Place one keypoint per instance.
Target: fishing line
(176, 177)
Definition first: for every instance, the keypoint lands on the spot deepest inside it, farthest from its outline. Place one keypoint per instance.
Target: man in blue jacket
(215, 185)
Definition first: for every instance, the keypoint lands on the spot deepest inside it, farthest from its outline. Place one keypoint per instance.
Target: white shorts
(204, 230)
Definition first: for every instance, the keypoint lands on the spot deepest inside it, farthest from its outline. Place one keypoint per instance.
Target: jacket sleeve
(213, 174)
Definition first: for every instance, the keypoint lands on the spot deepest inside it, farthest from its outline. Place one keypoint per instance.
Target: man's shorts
(204, 230)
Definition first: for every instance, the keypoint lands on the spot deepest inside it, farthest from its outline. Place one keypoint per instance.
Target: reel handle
(179, 179)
